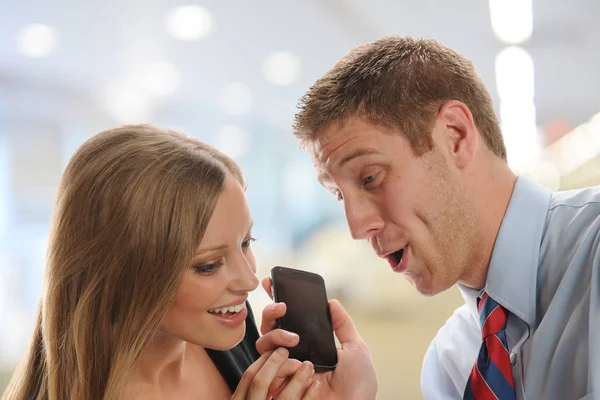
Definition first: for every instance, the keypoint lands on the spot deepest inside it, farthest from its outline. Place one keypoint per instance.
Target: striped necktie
(491, 376)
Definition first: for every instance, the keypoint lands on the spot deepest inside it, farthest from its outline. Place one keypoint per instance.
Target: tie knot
(492, 316)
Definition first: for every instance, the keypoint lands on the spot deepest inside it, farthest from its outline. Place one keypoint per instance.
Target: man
(403, 132)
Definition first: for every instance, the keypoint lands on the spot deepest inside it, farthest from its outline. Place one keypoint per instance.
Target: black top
(233, 363)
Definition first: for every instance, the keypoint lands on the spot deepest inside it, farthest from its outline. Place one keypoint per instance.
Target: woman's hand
(258, 380)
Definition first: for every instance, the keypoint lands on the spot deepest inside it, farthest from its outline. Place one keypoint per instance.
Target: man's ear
(456, 132)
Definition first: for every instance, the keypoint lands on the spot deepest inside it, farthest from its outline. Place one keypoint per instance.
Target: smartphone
(307, 315)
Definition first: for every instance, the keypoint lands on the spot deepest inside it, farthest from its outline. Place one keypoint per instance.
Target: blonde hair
(398, 82)
(131, 208)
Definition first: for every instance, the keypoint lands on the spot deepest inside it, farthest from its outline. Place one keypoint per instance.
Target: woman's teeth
(231, 309)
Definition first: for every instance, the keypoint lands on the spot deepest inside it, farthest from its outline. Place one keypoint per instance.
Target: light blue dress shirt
(545, 270)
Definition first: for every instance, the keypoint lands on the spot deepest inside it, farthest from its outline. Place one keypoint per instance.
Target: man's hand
(354, 376)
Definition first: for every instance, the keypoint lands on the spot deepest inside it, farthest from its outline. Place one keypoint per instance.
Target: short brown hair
(398, 82)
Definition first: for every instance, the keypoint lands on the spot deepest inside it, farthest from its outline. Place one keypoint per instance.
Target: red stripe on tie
(481, 302)
(494, 322)
(500, 357)
(481, 390)
(493, 359)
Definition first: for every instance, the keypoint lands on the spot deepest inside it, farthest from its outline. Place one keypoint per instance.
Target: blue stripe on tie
(469, 391)
(497, 382)
(502, 336)
(486, 310)
(483, 357)
(490, 374)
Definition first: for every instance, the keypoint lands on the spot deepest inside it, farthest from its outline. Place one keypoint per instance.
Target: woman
(149, 267)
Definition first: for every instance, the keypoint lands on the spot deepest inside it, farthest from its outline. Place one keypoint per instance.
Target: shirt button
(513, 358)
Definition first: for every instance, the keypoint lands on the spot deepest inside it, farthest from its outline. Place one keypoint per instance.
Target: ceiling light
(281, 68)
(37, 40)
(189, 23)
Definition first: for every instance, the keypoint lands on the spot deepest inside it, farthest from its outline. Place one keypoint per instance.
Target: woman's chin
(227, 340)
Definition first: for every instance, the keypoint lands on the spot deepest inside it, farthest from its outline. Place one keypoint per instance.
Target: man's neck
(493, 190)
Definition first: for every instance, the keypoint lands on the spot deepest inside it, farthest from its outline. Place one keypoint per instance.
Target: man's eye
(368, 179)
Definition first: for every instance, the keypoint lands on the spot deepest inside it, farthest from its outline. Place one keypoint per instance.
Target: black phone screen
(307, 315)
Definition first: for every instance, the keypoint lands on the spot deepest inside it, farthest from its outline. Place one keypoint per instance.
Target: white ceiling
(102, 42)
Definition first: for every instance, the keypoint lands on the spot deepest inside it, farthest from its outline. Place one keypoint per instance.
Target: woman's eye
(246, 243)
(207, 269)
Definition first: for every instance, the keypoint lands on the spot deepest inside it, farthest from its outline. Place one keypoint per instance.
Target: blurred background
(230, 73)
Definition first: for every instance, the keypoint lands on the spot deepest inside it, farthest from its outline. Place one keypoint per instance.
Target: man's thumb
(343, 326)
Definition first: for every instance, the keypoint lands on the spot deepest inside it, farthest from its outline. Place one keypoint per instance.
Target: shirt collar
(512, 273)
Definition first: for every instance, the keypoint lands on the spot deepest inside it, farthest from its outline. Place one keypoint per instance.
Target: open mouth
(395, 259)
(228, 312)
(397, 256)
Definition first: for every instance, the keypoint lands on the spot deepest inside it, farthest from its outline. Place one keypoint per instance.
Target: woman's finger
(284, 375)
(244, 385)
(299, 383)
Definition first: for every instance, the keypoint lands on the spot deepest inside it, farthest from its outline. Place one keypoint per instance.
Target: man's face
(411, 208)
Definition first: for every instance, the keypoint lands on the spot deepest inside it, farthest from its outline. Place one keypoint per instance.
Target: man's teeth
(232, 309)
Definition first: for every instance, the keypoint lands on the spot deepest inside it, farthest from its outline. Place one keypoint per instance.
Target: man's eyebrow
(357, 153)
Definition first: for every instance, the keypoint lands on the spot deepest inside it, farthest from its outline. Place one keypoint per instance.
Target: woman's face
(209, 307)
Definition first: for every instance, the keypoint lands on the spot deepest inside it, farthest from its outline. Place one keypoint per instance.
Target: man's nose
(363, 217)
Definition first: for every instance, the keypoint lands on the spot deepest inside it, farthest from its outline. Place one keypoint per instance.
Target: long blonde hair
(131, 208)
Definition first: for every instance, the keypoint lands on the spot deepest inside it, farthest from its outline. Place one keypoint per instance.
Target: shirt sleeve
(450, 356)
(594, 372)
(435, 382)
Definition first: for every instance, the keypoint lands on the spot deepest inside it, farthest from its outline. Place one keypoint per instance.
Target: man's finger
(313, 391)
(266, 284)
(343, 326)
(276, 338)
(269, 316)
